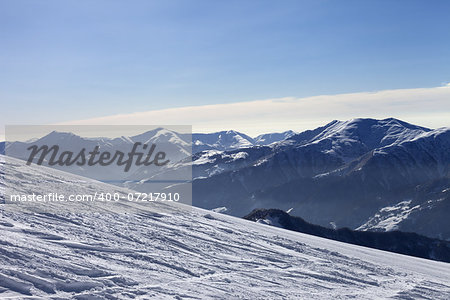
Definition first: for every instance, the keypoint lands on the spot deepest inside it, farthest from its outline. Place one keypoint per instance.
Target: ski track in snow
(127, 251)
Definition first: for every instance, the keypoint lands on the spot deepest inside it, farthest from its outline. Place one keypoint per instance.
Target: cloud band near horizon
(428, 107)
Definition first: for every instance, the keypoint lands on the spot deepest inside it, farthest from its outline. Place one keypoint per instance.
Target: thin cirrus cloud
(428, 107)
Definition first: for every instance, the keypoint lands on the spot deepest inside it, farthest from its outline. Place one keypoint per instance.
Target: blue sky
(71, 60)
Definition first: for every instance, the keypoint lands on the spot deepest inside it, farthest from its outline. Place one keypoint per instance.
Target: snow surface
(125, 251)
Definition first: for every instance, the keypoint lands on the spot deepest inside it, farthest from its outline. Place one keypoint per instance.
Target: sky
(63, 61)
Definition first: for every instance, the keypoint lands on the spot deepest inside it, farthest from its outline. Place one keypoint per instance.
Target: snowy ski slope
(127, 251)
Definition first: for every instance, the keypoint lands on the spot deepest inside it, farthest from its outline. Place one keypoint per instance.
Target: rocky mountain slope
(346, 173)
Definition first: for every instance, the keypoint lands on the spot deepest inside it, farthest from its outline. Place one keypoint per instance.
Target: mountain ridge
(347, 171)
(352, 172)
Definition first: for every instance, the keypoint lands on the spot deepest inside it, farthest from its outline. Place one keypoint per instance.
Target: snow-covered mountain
(344, 173)
(122, 250)
(223, 140)
(232, 140)
(363, 174)
(162, 136)
(176, 146)
(269, 138)
(180, 146)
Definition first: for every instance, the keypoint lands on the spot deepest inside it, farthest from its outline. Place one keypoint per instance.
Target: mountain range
(176, 146)
(365, 174)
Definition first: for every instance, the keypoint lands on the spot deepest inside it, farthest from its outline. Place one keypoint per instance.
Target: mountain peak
(58, 135)
(370, 133)
(361, 122)
(269, 138)
(145, 136)
(222, 140)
